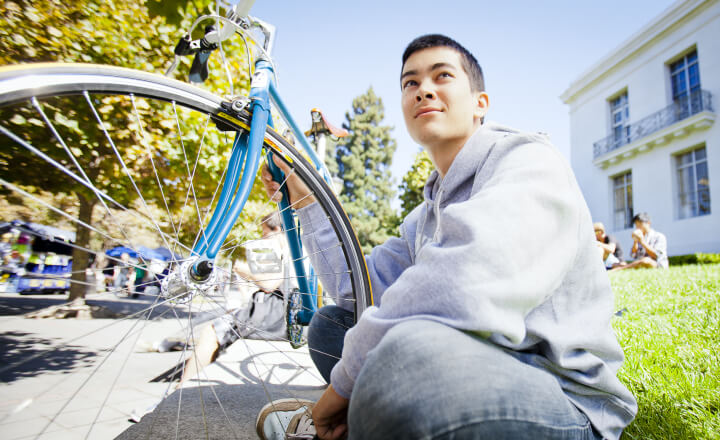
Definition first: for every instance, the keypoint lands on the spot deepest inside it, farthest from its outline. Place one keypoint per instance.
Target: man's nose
(424, 92)
(426, 95)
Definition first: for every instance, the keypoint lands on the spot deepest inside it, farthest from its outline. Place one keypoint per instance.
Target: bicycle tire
(53, 93)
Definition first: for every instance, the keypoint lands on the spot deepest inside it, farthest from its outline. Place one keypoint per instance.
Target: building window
(693, 183)
(685, 81)
(620, 116)
(622, 200)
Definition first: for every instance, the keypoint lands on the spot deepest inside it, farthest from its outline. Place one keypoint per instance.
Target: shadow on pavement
(19, 305)
(217, 412)
(19, 346)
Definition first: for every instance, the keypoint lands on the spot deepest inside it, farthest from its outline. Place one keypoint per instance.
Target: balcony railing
(682, 108)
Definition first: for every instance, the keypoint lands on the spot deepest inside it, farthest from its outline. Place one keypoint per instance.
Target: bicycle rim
(132, 162)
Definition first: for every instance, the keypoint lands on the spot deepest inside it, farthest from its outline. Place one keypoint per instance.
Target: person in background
(124, 275)
(6, 244)
(223, 331)
(649, 249)
(98, 268)
(208, 341)
(612, 252)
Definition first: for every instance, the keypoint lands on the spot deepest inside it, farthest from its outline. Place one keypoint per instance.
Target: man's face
(599, 234)
(438, 104)
(268, 231)
(643, 226)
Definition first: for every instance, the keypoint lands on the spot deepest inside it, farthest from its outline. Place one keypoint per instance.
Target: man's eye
(409, 83)
(445, 75)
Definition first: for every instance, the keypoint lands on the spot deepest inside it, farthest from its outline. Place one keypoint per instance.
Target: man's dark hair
(643, 217)
(468, 61)
(272, 220)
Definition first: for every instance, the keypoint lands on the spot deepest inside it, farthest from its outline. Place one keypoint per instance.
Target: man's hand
(330, 415)
(300, 195)
(637, 236)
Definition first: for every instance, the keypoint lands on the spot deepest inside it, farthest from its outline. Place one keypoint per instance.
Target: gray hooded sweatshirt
(503, 248)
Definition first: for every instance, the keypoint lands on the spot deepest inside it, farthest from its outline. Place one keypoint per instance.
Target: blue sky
(328, 52)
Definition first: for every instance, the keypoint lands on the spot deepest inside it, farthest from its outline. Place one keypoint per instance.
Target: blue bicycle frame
(243, 167)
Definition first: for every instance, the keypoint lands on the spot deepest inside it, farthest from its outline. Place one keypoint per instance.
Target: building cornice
(639, 40)
(699, 121)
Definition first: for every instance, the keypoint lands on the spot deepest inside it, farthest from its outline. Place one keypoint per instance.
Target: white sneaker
(286, 419)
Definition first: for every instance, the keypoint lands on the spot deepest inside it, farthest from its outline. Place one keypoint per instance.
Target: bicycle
(68, 121)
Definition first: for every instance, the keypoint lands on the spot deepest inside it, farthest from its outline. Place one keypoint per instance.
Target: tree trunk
(78, 285)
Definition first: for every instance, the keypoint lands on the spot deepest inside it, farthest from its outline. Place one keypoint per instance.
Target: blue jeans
(428, 380)
(326, 335)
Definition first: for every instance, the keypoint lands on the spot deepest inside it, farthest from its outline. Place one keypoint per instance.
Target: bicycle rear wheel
(119, 162)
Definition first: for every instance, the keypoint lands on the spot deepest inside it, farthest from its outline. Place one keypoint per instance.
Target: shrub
(697, 258)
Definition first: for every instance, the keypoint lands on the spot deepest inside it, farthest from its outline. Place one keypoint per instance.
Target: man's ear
(482, 105)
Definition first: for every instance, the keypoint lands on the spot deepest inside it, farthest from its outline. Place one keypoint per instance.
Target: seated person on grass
(612, 252)
(649, 248)
(491, 316)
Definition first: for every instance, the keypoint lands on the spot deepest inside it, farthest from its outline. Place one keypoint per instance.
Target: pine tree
(363, 163)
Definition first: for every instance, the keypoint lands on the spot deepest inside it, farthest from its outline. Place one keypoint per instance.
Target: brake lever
(202, 49)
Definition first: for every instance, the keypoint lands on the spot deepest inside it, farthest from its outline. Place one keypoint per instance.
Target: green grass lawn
(671, 336)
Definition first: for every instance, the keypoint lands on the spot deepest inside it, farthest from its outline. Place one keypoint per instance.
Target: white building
(643, 130)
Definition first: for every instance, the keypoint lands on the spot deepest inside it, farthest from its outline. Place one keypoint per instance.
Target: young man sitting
(492, 315)
(649, 248)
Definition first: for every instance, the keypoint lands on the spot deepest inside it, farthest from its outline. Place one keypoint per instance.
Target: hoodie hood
(466, 164)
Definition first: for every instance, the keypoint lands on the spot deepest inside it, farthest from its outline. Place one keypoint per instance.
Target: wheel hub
(186, 281)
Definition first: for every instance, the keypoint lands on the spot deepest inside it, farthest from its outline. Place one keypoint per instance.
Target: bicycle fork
(242, 169)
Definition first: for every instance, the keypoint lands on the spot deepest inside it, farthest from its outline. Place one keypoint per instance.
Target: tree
(363, 161)
(413, 183)
(124, 34)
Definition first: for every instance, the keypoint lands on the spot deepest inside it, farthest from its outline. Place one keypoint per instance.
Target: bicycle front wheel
(108, 172)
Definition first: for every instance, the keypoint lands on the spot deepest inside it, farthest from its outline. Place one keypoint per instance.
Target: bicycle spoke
(180, 368)
(187, 166)
(59, 138)
(117, 376)
(152, 162)
(268, 395)
(102, 195)
(262, 331)
(119, 142)
(77, 338)
(58, 211)
(107, 356)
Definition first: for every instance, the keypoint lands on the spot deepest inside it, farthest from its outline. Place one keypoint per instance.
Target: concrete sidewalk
(223, 405)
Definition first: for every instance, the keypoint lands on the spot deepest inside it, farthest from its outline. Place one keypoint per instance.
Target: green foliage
(173, 12)
(413, 183)
(698, 258)
(363, 161)
(669, 332)
(147, 134)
